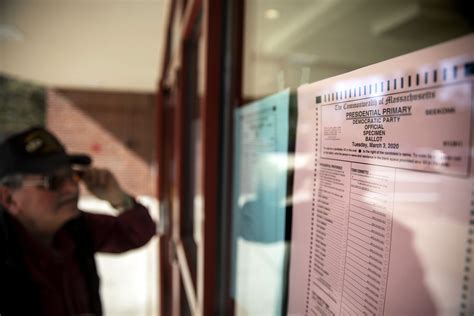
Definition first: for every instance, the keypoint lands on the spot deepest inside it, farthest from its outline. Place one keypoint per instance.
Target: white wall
(98, 44)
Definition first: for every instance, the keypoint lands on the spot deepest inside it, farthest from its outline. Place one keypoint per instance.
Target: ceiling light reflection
(272, 14)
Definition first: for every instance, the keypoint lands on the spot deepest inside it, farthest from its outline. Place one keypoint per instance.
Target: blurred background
(88, 71)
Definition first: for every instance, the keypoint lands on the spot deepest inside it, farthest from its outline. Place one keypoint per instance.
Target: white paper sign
(383, 215)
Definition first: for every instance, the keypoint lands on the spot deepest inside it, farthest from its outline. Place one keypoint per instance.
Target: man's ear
(6, 197)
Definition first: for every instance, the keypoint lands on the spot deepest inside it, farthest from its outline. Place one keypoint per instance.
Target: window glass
(288, 43)
(192, 208)
(294, 42)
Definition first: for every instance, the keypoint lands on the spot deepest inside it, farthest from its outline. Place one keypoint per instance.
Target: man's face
(42, 210)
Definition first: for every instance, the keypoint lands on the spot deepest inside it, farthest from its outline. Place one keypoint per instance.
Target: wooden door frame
(206, 292)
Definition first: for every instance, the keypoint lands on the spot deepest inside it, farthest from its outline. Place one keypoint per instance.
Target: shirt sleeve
(115, 234)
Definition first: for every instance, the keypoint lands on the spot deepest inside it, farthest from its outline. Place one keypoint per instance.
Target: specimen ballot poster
(383, 209)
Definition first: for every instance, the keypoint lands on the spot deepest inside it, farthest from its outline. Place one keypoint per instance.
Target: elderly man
(47, 244)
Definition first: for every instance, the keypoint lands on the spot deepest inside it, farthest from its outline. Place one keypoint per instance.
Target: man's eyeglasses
(51, 182)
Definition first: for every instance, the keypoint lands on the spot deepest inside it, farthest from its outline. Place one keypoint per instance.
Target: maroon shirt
(56, 270)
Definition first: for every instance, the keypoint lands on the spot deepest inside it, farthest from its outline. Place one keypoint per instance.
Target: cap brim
(49, 164)
(83, 160)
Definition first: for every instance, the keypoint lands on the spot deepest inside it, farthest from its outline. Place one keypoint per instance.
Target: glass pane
(192, 152)
(288, 42)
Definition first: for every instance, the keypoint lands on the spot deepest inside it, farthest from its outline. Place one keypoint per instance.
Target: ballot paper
(383, 209)
(259, 247)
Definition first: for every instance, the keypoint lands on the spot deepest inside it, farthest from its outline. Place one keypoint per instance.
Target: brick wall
(116, 128)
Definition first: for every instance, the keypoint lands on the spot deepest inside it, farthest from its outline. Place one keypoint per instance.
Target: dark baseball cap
(35, 151)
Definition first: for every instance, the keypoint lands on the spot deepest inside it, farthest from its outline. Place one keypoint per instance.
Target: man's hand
(102, 183)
